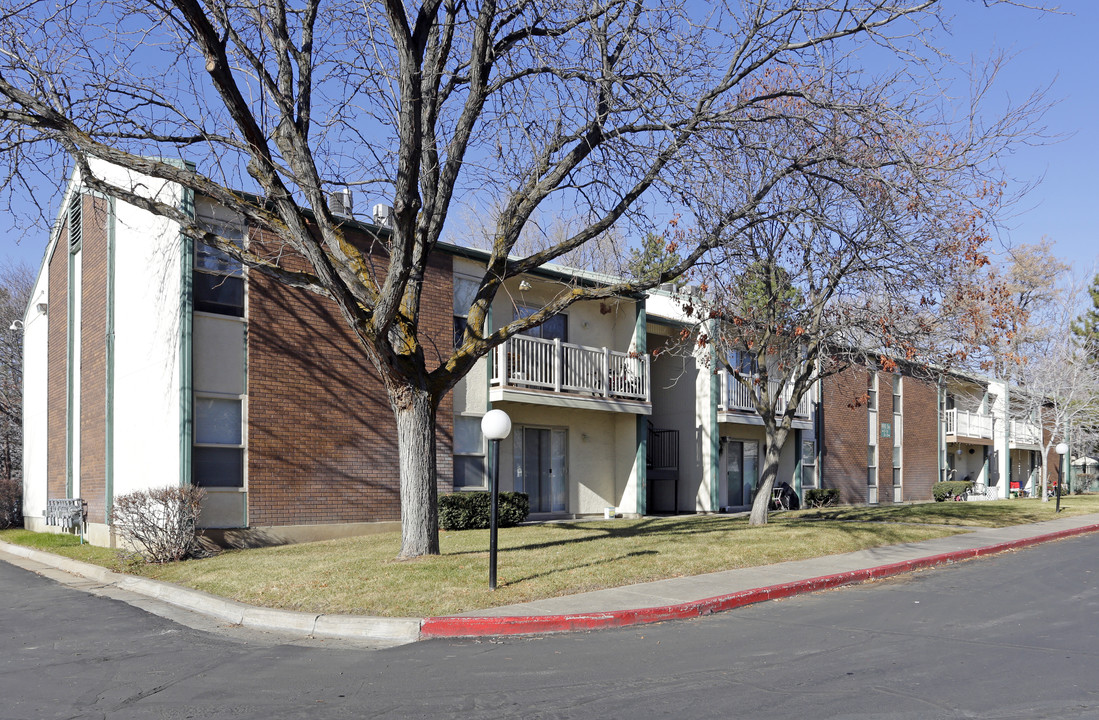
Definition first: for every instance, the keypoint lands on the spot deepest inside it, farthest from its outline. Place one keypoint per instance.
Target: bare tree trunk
(415, 410)
(772, 453)
(1045, 473)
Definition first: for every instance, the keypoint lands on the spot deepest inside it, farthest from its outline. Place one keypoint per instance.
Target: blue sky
(1046, 48)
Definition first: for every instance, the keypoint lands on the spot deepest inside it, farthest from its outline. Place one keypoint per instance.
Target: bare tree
(1059, 382)
(527, 107)
(16, 282)
(867, 257)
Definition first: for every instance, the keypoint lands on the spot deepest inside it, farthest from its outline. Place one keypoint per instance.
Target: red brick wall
(57, 371)
(845, 433)
(93, 358)
(322, 441)
(920, 444)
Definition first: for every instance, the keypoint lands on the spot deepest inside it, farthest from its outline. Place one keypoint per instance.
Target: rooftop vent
(339, 203)
(383, 215)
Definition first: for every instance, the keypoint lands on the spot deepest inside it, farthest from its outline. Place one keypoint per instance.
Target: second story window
(218, 280)
(555, 328)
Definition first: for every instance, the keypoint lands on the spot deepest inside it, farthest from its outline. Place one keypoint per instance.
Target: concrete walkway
(676, 598)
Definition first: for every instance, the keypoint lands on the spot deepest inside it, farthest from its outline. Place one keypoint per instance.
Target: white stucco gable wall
(149, 340)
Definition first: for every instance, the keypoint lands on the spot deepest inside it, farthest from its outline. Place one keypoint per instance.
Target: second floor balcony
(552, 372)
(1023, 432)
(735, 398)
(967, 426)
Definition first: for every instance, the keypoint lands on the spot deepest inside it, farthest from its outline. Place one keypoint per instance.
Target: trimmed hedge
(470, 510)
(821, 497)
(950, 489)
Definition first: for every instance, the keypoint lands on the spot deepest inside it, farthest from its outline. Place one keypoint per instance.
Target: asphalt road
(1012, 636)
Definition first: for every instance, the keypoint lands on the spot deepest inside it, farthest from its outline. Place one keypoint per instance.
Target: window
(743, 362)
(898, 432)
(465, 292)
(218, 455)
(872, 438)
(808, 463)
(555, 328)
(469, 453)
(218, 281)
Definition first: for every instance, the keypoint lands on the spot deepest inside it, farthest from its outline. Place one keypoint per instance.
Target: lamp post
(1062, 449)
(495, 425)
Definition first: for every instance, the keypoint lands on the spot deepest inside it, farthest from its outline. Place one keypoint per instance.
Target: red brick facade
(322, 439)
(57, 385)
(93, 358)
(920, 442)
(846, 431)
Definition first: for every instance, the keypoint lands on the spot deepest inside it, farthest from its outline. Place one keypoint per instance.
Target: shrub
(950, 489)
(470, 510)
(11, 503)
(160, 523)
(821, 497)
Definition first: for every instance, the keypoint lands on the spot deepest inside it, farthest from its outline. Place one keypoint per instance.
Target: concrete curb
(395, 630)
(407, 630)
(472, 626)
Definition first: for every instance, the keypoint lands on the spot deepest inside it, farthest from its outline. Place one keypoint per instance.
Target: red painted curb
(454, 626)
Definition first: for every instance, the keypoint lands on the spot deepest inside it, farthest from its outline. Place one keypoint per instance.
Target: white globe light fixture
(496, 425)
(1062, 450)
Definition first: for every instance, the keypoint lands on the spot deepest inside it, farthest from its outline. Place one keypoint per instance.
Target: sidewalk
(676, 598)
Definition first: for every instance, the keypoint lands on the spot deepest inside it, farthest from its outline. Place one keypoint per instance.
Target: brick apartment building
(153, 360)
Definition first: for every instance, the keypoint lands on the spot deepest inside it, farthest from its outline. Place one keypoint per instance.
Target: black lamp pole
(492, 514)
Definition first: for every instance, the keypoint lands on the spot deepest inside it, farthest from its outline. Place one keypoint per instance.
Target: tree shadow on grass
(603, 561)
(611, 530)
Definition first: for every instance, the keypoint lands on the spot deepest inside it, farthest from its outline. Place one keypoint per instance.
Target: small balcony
(735, 401)
(970, 427)
(551, 372)
(1024, 433)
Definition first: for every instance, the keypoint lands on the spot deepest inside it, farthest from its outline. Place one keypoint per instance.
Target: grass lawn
(361, 575)
(995, 513)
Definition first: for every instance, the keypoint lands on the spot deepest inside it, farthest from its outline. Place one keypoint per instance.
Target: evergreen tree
(655, 256)
(1086, 327)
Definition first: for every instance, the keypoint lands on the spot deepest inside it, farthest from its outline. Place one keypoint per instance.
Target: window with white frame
(217, 458)
(469, 453)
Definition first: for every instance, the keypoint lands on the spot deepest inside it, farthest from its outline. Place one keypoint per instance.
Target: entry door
(540, 459)
(741, 471)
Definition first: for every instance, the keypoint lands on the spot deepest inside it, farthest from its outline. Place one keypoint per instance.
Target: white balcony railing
(962, 423)
(534, 363)
(1025, 433)
(735, 396)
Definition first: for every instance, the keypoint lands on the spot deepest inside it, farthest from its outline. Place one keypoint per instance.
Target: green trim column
(108, 462)
(186, 329)
(939, 429)
(640, 463)
(715, 437)
(797, 463)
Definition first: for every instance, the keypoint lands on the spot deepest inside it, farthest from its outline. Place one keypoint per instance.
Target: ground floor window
(217, 457)
(469, 454)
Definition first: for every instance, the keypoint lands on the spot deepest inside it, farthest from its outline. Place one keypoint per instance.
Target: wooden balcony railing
(1025, 433)
(534, 363)
(963, 423)
(735, 396)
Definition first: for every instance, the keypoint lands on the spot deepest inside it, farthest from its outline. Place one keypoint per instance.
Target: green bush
(470, 510)
(821, 497)
(949, 489)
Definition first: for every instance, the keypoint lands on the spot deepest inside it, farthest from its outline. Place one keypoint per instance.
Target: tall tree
(16, 283)
(863, 259)
(527, 107)
(1086, 326)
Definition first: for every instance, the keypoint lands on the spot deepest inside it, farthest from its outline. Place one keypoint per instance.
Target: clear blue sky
(1047, 48)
